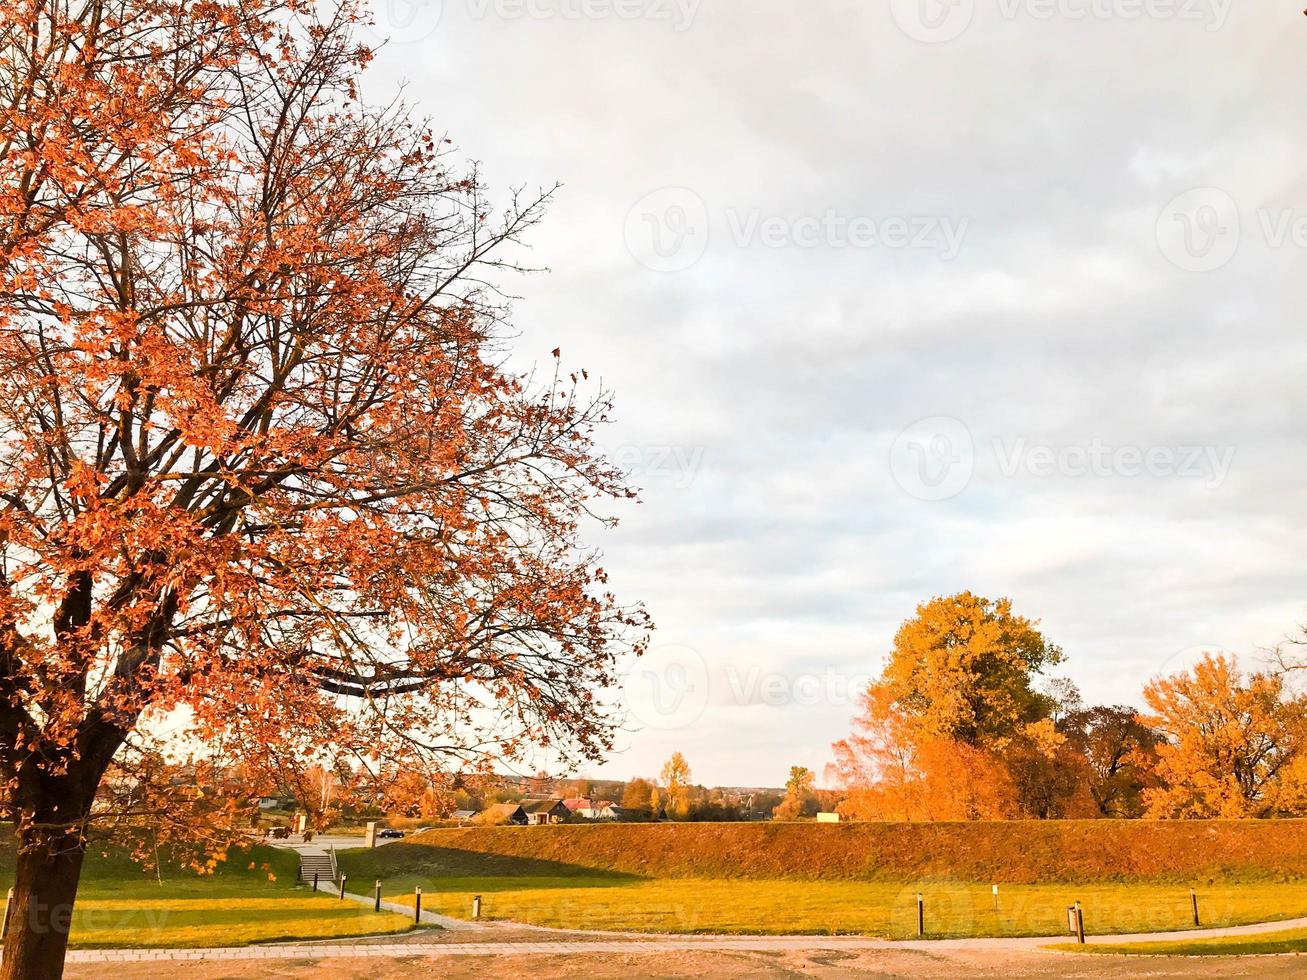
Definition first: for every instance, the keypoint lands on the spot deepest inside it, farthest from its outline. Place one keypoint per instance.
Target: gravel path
(812, 962)
(506, 940)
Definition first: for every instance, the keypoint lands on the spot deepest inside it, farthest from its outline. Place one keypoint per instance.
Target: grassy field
(1289, 941)
(596, 888)
(120, 905)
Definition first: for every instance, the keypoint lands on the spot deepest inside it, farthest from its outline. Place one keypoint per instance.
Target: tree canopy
(265, 474)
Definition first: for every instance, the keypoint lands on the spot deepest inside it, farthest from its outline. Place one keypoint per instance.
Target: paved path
(622, 943)
(447, 922)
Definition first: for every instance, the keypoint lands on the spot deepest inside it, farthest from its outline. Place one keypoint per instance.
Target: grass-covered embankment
(854, 878)
(1014, 852)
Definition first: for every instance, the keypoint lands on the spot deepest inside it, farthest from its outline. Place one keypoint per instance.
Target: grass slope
(799, 878)
(253, 897)
(1015, 852)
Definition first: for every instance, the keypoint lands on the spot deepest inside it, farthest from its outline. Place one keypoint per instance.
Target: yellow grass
(1288, 941)
(253, 898)
(548, 892)
(221, 918)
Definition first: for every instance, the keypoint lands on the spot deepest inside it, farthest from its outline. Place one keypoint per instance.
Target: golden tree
(800, 795)
(675, 779)
(639, 795)
(1233, 745)
(964, 668)
(955, 727)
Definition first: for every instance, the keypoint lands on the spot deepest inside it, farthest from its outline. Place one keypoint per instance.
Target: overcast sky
(900, 299)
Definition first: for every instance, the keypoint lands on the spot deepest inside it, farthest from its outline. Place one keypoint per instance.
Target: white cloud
(788, 372)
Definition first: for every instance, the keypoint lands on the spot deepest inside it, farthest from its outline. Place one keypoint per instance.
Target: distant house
(545, 811)
(503, 813)
(462, 816)
(590, 809)
(269, 802)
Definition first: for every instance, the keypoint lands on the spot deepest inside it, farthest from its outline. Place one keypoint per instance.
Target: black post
(1080, 923)
(342, 887)
(315, 881)
(921, 914)
(377, 905)
(417, 905)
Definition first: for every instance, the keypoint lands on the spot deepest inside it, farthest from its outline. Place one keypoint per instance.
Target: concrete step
(316, 864)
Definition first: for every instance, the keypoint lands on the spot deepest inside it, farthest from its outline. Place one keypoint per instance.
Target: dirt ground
(882, 965)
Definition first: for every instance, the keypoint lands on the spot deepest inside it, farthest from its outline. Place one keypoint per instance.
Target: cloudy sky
(904, 298)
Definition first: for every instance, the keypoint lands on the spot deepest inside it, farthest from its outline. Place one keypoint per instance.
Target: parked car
(389, 834)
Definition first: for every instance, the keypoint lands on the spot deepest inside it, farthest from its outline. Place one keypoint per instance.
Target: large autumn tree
(263, 472)
(956, 726)
(1234, 744)
(966, 668)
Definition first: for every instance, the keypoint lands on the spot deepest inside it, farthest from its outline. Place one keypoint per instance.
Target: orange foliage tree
(892, 770)
(265, 475)
(800, 795)
(955, 728)
(1235, 744)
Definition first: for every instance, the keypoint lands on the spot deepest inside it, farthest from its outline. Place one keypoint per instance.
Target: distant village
(537, 800)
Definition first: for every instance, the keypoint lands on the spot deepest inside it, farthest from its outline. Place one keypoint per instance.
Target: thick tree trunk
(44, 889)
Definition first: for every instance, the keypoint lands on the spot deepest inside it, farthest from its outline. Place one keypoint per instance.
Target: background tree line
(965, 724)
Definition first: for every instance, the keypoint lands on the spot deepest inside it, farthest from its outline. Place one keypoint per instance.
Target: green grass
(547, 893)
(252, 898)
(1289, 941)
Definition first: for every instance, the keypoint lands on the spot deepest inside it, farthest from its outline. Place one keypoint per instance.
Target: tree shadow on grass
(428, 860)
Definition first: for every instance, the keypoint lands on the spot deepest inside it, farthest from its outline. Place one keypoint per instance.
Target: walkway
(621, 943)
(446, 922)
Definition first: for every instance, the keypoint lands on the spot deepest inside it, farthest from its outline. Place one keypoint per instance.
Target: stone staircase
(314, 862)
